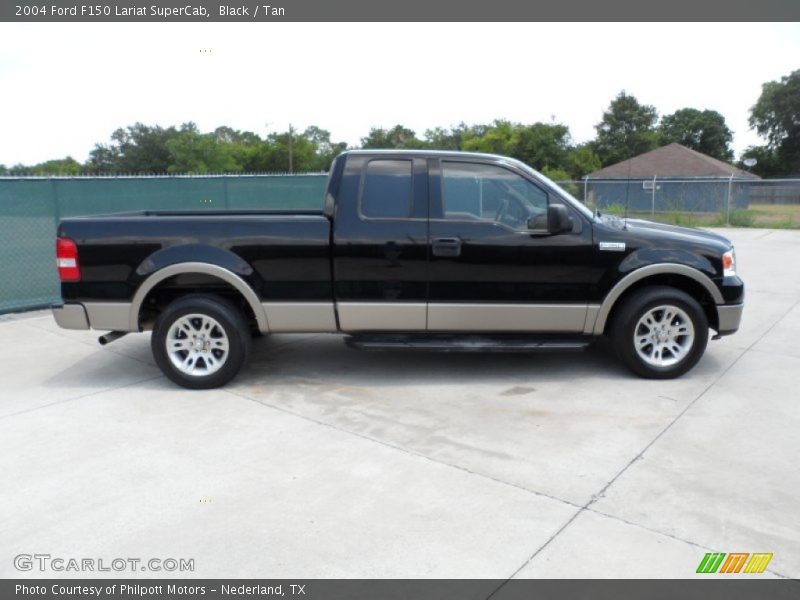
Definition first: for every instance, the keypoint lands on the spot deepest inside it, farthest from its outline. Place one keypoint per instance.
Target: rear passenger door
(380, 249)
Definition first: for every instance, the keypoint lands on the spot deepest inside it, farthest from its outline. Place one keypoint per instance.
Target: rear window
(387, 189)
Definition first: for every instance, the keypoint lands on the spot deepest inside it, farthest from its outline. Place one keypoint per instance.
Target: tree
(704, 131)
(324, 149)
(138, 148)
(3, 170)
(767, 162)
(541, 145)
(310, 150)
(562, 178)
(627, 129)
(61, 166)
(581, 160)
(193, 152)
(398, 136)
(776, 116)
(493, 139)
(441, 138)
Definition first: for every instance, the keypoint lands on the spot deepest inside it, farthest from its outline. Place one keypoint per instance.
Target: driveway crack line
(640, 454)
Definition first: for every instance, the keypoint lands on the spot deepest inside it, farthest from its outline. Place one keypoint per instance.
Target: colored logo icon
(735, 562)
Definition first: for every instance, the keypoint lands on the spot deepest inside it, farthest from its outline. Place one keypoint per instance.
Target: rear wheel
(200, 341)
(660, 332)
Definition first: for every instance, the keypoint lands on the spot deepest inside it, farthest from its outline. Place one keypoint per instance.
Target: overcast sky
(64, 87)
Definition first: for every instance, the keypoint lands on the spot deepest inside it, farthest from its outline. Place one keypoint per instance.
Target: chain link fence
(695, 202)
(30, 209)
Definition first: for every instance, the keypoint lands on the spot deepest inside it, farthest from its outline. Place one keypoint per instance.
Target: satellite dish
(749, 162)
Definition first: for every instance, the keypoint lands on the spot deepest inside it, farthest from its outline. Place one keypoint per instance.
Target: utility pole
(291, 158)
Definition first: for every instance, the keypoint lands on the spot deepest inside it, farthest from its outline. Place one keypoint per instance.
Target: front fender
(645, 257)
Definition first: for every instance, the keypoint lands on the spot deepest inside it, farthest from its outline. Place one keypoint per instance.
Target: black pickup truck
(413, 250)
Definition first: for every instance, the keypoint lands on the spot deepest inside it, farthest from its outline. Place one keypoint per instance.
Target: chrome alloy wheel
(197, 345)
(663, 336)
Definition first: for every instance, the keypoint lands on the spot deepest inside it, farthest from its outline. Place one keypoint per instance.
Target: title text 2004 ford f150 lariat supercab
(421, 250)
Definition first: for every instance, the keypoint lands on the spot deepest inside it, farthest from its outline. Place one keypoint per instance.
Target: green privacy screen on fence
(31, 207)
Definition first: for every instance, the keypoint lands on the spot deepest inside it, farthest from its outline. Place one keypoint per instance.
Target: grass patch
(767, 216)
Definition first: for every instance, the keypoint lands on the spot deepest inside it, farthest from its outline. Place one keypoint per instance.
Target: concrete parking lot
(322, 461)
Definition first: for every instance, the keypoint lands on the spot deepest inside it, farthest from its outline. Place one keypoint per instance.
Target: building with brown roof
(670, 178)
(672, 161)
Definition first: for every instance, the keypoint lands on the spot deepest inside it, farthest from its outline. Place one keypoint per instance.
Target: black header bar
(263, 11)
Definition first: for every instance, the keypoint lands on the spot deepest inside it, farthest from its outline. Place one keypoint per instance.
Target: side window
(387, 189)
(480, 192)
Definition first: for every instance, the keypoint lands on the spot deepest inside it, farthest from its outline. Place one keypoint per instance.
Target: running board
(466, 343)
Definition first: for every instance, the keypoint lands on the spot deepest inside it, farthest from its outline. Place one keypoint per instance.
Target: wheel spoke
(188, 363)
(186, 326)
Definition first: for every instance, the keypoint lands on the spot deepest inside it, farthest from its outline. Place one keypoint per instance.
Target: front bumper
(730, 316)
(70, 316)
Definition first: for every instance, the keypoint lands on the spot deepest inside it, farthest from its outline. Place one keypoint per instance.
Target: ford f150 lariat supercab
(413, 250)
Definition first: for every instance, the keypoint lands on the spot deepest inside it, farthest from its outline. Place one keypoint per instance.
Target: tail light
(67, 260)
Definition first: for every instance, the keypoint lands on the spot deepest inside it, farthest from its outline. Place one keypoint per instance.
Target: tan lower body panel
(300, 317)
(114, 316)
(381, 316)
(540, 318)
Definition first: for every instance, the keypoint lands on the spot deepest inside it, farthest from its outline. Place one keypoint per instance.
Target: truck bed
(281, 254)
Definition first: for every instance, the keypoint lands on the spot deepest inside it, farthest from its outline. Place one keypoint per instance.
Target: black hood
(650, 229)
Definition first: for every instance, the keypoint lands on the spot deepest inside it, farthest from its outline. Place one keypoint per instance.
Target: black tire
(625, 325)
(231, 326)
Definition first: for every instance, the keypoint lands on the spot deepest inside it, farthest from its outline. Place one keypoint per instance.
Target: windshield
(554, 187)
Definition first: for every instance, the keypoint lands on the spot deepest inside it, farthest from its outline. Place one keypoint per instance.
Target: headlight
(729, 263)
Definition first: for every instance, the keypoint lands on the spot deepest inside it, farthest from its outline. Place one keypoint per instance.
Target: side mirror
(558, 219)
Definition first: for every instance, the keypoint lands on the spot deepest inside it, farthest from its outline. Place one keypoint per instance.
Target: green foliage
(776, 116)
(493, 139)
(138, 148)
(741, 218)
(704, 131)
(193, 152)
(562, 178)
(627, 129)
(441, 138)
(396, 137)
(581, 160)
(143, 149)
(684, 219)
(616, 208)
(542, 145)
(768, 164)
(63, 166)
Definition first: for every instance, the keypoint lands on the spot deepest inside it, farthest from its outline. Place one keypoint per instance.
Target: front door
(493, 265)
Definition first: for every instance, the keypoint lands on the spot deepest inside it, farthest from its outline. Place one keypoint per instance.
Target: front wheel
(660, 332)
(200, 341)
